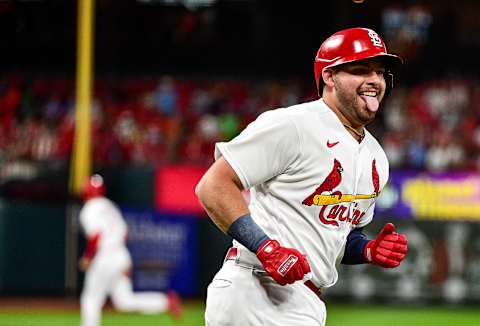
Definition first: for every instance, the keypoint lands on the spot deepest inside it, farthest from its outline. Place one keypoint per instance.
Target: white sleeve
(266, 148)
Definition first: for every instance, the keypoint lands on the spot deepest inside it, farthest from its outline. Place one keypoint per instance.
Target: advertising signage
(431, 196)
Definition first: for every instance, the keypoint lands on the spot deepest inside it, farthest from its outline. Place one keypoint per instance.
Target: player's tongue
(372, 102)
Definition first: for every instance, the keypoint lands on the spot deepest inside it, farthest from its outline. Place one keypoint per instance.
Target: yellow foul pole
(81, 165)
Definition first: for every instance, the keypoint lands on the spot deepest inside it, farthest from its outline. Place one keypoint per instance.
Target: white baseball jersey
(311, 181)
(101, 215)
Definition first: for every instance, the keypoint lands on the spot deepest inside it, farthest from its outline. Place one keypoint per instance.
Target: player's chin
(366, 116)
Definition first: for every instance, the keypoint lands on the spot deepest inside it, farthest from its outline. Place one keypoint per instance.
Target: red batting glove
(388, 249)
(285, 265)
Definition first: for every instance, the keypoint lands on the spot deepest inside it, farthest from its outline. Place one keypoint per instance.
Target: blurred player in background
(108, 264)
(314, 173)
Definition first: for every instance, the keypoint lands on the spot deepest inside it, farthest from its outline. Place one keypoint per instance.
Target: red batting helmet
(93, 187)
(350, 45)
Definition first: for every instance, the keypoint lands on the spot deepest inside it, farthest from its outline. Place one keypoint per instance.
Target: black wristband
(356, 242)
(247, 232)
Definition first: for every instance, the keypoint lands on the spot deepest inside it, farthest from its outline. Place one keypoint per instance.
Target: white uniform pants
(241, 296)
(107, 277)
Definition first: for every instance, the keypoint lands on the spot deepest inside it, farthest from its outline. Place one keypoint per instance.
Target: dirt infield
(35, 303)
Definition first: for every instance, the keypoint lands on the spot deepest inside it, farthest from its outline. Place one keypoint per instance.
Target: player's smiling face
(359, 87)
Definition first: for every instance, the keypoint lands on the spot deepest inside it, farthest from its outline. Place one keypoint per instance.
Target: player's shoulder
(97, 202)
(300, 111)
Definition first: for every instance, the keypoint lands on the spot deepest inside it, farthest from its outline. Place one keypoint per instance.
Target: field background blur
(171, 78)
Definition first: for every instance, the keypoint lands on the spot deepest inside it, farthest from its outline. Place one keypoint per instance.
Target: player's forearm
(221, 196)
(220, 192)
(223, 205)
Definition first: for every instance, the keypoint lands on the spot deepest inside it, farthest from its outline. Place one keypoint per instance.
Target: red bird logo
(375, 178)
(331, 182)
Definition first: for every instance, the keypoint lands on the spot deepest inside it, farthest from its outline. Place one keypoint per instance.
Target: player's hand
(388, 249)
(84, 264)
(285, 265)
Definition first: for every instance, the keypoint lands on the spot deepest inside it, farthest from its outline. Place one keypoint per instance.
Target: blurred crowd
(432, 126)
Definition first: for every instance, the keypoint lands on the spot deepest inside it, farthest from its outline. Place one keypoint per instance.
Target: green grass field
(338, 315)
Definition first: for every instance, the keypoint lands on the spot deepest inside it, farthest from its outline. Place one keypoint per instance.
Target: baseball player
(107, 262)
(314, 173)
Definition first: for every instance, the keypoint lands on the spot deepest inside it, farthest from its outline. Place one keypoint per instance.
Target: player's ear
(327, 77)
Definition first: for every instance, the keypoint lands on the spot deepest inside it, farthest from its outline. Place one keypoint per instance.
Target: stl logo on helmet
(325, 196)
(376, 40)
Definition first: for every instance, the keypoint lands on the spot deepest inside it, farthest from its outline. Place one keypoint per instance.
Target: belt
(232, 254)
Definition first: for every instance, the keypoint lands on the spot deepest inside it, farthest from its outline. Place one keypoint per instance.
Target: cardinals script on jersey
(340, 212)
